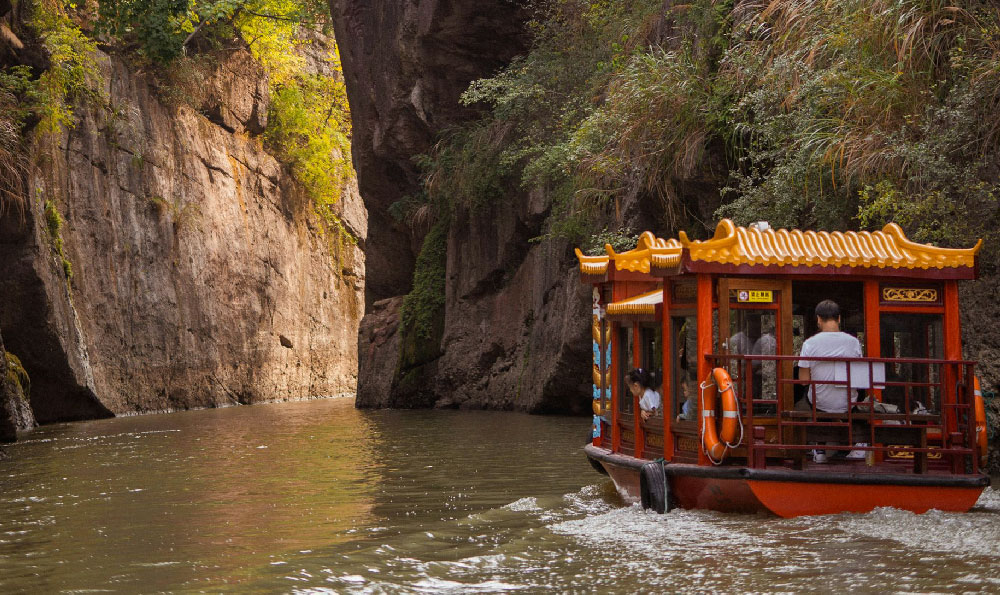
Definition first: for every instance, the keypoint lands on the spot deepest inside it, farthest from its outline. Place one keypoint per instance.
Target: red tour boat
(721, 323)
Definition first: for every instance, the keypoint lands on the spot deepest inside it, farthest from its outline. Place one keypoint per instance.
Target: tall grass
(813, 113)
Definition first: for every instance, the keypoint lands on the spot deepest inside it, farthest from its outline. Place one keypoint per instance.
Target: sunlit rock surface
(200, 275)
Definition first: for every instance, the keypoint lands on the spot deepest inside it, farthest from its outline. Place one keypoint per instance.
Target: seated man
(829, 342)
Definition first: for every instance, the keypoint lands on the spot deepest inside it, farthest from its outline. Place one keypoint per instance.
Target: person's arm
(804, 372)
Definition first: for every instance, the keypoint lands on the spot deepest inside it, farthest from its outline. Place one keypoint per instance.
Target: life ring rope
(715, 441)
(982, 439)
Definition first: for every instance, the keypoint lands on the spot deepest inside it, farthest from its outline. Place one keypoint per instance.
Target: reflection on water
(319, 496)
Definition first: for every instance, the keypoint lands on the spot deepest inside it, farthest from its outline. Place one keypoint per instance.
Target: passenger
(689, 390)
(829, 342)
(640, 383)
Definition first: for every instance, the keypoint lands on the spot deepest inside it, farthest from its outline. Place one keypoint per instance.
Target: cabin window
(912, 336)
(849, 296)
(684, 347)
(753, 331)
(625, 399)
(651, 339)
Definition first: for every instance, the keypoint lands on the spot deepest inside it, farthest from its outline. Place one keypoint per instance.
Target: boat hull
(790, 493)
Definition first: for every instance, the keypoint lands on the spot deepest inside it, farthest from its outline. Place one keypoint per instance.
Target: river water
(317, 496)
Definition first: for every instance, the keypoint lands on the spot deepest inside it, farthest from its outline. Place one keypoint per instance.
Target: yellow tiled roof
(641, 304)
(734, 245)
(888, 248)
(649, 249)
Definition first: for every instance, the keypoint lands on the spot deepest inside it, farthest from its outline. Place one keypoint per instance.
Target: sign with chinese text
(754, 296)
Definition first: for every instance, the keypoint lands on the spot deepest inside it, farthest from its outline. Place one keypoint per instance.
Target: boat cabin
(744, 301)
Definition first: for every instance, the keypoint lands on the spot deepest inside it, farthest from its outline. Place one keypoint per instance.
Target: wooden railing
(946, 431)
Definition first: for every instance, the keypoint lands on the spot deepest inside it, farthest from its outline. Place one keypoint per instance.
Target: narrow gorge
(166, 248)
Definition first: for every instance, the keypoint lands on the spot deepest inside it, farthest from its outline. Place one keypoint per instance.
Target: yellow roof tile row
(641, 304)
(734, 245)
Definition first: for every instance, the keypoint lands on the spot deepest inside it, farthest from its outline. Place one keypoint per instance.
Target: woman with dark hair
(642, 384)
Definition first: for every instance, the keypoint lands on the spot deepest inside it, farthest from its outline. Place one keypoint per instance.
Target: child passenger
(689, 390)
(642, 384)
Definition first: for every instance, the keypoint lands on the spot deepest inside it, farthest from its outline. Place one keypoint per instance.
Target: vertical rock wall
(405, 65)
(200, 275)
(15, 413)
(515, 327)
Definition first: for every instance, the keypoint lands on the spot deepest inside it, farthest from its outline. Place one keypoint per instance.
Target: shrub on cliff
(308, 118)
(803, 112)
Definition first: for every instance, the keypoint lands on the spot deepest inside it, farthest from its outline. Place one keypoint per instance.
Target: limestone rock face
(378, 341)
(15, 413)
(515, 331)
(200, 275)
(405, 65)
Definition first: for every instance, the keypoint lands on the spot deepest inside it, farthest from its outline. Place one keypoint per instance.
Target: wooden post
(704, 348)
(637, 430)
(873, 325)
(616, 364)
(873, 338)
(952, 351)
(668, 375)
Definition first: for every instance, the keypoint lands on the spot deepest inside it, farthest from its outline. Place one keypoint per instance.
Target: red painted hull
(790, 494)
(790, 499)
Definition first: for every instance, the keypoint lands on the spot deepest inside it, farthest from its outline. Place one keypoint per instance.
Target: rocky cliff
(511, 333)
(15, 412)
(513, 330)
(201, 275)
(405, 65)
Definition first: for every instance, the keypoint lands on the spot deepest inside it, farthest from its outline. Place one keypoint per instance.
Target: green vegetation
(54, 222)
(308, 120)
(421, 317)
(424, 304)
(621, 240)
(73, 71)
(806, 113)
(309, 126)
(16, 374)
(44, 99)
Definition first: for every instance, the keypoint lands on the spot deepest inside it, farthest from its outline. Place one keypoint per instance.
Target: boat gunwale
(792, 476)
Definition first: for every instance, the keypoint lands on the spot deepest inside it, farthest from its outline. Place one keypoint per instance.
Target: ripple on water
(933, 531)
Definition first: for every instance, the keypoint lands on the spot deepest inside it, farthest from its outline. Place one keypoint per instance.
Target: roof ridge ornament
(754, 246)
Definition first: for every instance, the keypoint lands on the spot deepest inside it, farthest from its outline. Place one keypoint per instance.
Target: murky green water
(317, 496)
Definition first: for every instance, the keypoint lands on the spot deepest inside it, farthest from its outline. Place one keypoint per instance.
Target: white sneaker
(858, 454)
(819, 457)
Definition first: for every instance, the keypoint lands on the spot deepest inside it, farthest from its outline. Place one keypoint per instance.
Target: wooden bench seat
(861, 431)
(860, 415)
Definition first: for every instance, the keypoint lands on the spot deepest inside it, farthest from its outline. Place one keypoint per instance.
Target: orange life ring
(981, 434)
(717, 441)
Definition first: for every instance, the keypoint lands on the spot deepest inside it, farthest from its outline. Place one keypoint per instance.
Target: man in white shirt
(829, 342)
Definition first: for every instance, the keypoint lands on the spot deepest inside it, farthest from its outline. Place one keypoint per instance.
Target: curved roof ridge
(730, 244)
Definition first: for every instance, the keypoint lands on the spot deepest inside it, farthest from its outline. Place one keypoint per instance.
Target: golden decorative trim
(620, 309)
(688, 444)
(628, 436)
(888, 248)
(905, 454)
(666, 261)
(654, 440)
(596, 376)
(909, 294)
(636, 305)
